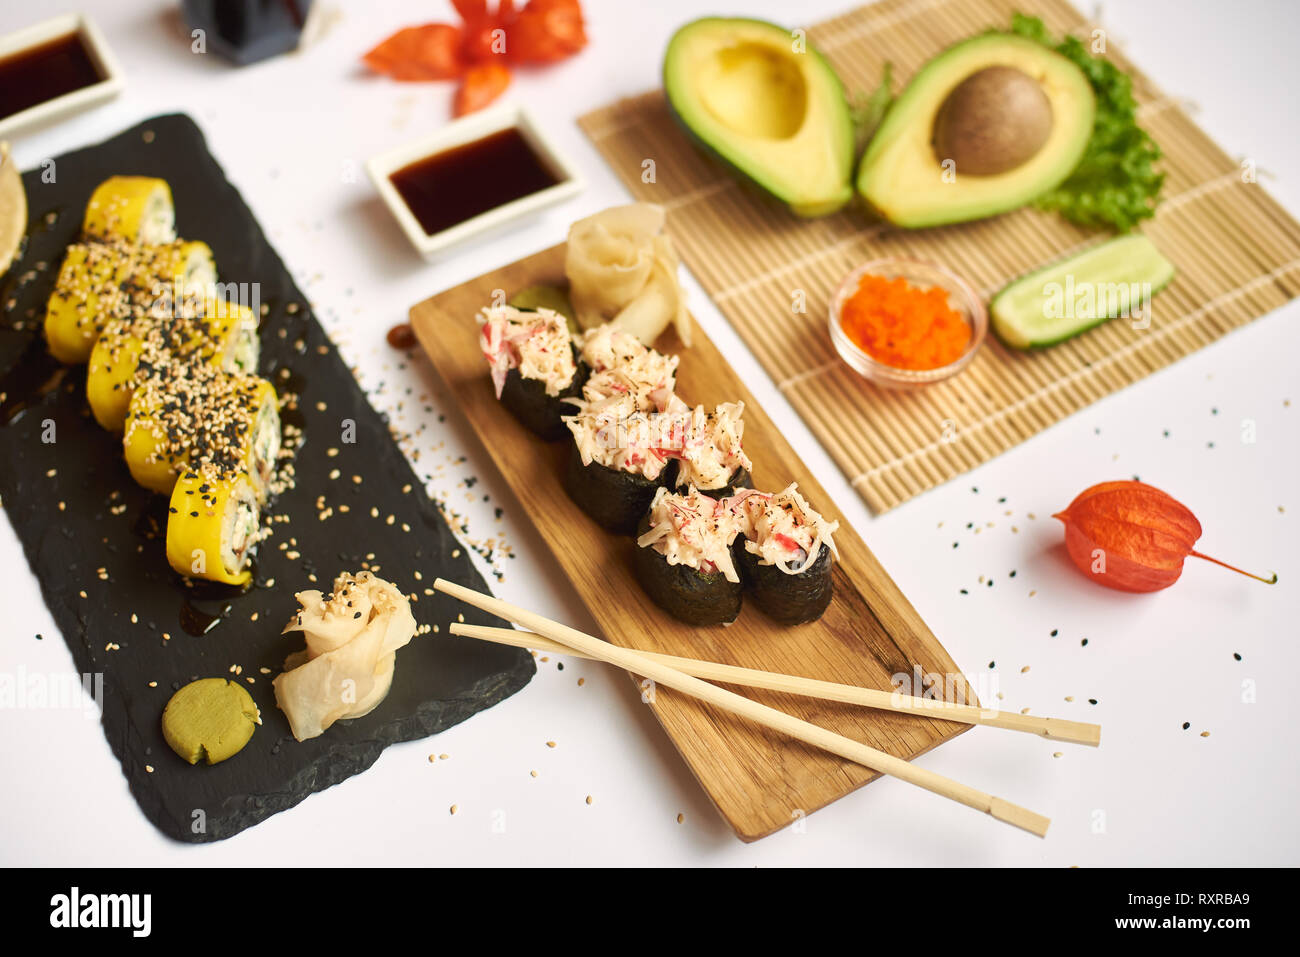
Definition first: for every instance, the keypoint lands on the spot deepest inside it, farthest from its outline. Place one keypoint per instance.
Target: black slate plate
(76, 511)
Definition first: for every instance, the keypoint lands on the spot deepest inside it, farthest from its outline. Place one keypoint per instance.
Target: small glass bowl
(922, 275)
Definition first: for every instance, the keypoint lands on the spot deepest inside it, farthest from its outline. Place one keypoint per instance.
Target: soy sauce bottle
(246, 31)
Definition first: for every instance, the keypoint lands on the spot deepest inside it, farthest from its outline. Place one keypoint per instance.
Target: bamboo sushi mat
(1237, 253)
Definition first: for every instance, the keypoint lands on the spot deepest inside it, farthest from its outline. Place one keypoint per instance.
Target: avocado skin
(686, 593)
(614, 499)
(786, 599)
(540, 413)
(555, 298)
(840, 108)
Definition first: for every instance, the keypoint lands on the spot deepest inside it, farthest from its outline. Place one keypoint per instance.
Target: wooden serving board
(759, 780)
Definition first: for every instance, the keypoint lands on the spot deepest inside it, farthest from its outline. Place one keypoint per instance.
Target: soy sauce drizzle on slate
(450, 187)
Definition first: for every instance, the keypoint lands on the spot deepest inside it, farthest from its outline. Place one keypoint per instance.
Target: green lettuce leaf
(1115, 184)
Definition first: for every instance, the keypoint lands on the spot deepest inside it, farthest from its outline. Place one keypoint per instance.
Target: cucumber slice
(1059, 301)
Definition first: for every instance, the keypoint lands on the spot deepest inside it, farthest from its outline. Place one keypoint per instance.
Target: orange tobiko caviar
(902, 326)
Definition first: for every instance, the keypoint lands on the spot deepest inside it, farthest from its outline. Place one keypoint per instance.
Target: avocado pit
(994, 121)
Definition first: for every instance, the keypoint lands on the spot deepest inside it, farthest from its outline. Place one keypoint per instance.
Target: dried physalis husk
(1133, 537)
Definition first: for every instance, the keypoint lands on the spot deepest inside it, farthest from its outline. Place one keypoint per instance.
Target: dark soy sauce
(33, 76)
(447, 188)
(198, 621)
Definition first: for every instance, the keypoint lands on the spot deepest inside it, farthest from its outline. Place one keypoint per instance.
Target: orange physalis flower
(482, 83)
(546, 31)
(477, 51)
(430, 52)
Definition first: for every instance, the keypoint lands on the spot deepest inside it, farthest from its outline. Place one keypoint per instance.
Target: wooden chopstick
(1058, 729)
(748, 708)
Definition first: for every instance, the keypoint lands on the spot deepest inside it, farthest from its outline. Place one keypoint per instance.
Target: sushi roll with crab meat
(213, 526)
(135, 208)
(684, 557)
(785, 553)
(713, 459)
(617, 462)
(534, 365)
(621, 365)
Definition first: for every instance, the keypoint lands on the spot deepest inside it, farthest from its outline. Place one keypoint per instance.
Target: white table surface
(292, 134)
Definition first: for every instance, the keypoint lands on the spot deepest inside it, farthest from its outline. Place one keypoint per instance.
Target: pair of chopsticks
(685, 675)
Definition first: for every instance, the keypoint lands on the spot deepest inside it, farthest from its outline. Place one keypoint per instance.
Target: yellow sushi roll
(135, 208)
(231, 328)
(129, 350)
(99, 282)
(153, 460)
(212, 526)
(111, 374)
(195, 416)
(72, 317)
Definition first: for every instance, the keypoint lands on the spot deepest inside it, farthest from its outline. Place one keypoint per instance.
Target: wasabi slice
(1057, 302)
(210, 719)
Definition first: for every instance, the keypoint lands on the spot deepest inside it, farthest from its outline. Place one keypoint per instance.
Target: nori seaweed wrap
(542, 414)
(785, 554)
(789, 599)
(683, 558)
(618, 461)
(614, 498)
(534, 366)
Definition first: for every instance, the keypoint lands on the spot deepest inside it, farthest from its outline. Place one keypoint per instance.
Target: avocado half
(778, 117)
(902, 179)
